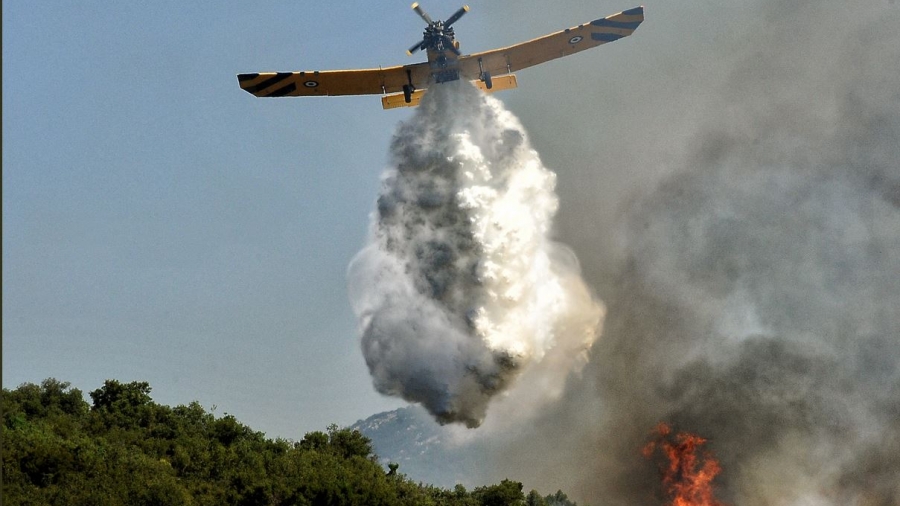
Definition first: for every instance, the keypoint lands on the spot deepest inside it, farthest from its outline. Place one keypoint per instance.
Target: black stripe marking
(606, 37)
(629, 25)
(277, 78)
(286, 90)
(247, 77)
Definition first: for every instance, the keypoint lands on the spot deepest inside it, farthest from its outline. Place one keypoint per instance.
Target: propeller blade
(418, 46)
(420, 12)
(456, 15)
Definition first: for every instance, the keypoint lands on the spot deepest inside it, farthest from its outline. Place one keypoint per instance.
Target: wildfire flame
(689, 472)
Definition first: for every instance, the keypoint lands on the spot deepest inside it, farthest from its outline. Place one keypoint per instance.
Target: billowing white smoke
(460, 287)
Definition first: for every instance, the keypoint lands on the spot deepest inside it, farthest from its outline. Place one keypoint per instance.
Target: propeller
(437, 32)
(456, 15)
(421, 12)
(419, 45)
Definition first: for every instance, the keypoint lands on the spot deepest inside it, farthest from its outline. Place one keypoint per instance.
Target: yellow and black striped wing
(549, 47)
(335, 82)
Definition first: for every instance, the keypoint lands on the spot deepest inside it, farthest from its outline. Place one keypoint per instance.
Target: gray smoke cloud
(753, 296)
(461, 288)
(759, 310)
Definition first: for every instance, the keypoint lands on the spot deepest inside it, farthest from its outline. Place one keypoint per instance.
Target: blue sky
(161, 225)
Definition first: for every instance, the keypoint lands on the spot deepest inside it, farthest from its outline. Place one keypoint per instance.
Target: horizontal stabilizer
(398, 100)
(395, 100)
(506, 82)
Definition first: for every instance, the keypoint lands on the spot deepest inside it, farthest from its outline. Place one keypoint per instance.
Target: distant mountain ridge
(410, 437)
(428, 452)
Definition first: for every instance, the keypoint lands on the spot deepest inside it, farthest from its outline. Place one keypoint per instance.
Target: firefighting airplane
(404, 85)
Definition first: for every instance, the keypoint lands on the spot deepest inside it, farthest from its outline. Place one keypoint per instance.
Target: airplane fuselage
(442, 50)
(444, 65)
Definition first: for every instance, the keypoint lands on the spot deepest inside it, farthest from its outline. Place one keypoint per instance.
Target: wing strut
(408, 89)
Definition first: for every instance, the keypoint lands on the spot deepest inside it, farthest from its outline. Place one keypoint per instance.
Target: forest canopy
(125, 449)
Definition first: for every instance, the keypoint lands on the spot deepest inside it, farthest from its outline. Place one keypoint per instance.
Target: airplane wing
(549, 47)
(335, 82)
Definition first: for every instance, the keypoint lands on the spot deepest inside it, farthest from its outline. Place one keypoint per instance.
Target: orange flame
(689, 473)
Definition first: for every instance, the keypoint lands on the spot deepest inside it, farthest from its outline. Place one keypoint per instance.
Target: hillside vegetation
(124, 449)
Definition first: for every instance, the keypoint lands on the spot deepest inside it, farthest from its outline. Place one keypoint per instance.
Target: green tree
(506, 493)
(559, 499)
(114, 394)
(125, 450)
(314, 441)
(534, 499)
(348, 443)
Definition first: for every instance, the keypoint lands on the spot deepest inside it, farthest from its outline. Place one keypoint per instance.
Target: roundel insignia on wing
(576, 39)
(311, 84)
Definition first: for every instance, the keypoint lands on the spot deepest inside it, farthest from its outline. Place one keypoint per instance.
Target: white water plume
(460, 287)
